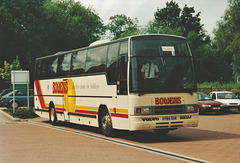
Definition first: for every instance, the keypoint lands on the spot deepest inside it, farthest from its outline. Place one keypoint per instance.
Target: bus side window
(64, 64)
(38, 68)
(122, 70)
(52, 66)
(79, 62)
(96, 60)
(112, 63)
(49, 67)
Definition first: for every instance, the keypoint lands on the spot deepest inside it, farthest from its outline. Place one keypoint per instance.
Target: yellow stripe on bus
(96, 109)
(87, 108)
(119, 110)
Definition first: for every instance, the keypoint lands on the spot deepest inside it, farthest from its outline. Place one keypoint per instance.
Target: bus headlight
(143, 110)
(191, 109)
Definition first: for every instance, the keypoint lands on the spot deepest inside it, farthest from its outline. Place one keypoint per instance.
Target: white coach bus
(144, 82)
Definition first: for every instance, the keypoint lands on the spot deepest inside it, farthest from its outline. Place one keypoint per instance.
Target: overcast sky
(211, 10)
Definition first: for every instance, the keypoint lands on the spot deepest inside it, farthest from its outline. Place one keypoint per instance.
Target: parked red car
(208, 105)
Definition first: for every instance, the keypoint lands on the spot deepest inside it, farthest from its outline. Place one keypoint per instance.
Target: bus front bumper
(150, 122)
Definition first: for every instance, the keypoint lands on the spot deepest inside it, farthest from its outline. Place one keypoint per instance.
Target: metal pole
(28, 96)
(13, 94)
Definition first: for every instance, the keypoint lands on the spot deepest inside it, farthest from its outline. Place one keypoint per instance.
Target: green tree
(70, 25)
(177, 20)
(168, 16)
(188, 22)
(33, 28)
(185, 22)
(153, 27)
(5, 73)
(227, 41)
(21, 29)
(121, 26)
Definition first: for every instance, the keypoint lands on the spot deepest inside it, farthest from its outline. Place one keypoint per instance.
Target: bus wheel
(161, 132)
(52, 115)
(106, 123)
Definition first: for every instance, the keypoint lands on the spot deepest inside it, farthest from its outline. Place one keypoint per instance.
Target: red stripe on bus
(39, 93)
(60, 109)
(119, 115)
(86, 112)
(96, 113)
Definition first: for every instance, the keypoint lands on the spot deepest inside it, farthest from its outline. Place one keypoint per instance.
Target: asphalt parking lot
(216, 139)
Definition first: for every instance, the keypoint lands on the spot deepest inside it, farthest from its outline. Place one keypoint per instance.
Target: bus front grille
(164, 110)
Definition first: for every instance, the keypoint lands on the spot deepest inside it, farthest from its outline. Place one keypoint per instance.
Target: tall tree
(30, 28)
(168, 16)
(185, 22)
(122, 26)
(227, 41)
(70, 25)
(21, 29)
(188, 22)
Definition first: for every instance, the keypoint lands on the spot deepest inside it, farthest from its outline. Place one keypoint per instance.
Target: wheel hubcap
(106, 122)
(52, 114)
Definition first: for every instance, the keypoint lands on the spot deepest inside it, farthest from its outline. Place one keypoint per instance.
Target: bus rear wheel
(52, 115)
(106, 123)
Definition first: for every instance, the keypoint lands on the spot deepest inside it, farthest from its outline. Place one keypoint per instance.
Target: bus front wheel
(106, 123)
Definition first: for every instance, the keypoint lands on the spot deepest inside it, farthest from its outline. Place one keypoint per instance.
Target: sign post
(20, 77)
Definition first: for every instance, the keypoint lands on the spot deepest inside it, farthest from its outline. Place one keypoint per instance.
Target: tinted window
(112, 62)
(78, 62)
(64, 64)
(96, 60)
(49, 68)
(122, 69)
(159, 46)
(123, 48)
(38, 68)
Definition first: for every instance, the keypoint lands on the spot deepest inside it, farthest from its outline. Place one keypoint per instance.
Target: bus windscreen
(161, 65)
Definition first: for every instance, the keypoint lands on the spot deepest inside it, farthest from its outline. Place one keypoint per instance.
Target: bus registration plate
(169, 118)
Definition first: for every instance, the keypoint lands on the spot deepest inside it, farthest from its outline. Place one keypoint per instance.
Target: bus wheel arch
(52, 114)
(105, 120)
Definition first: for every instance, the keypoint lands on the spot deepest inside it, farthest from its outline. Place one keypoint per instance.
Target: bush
(208, 87)
(23, 113)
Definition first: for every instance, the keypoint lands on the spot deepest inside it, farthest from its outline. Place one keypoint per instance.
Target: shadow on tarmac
(149, 136)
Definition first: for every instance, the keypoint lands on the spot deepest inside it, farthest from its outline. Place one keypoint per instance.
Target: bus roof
(104, 42)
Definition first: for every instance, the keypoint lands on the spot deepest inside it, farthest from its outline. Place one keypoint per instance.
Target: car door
(21, 97)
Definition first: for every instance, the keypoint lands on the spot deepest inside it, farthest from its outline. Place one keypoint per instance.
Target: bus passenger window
(122, 76)
(38, 68)
(64, 64)
(96, 60)
(78, 62)
(112, 63)
(124, 48)
(49, 68)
